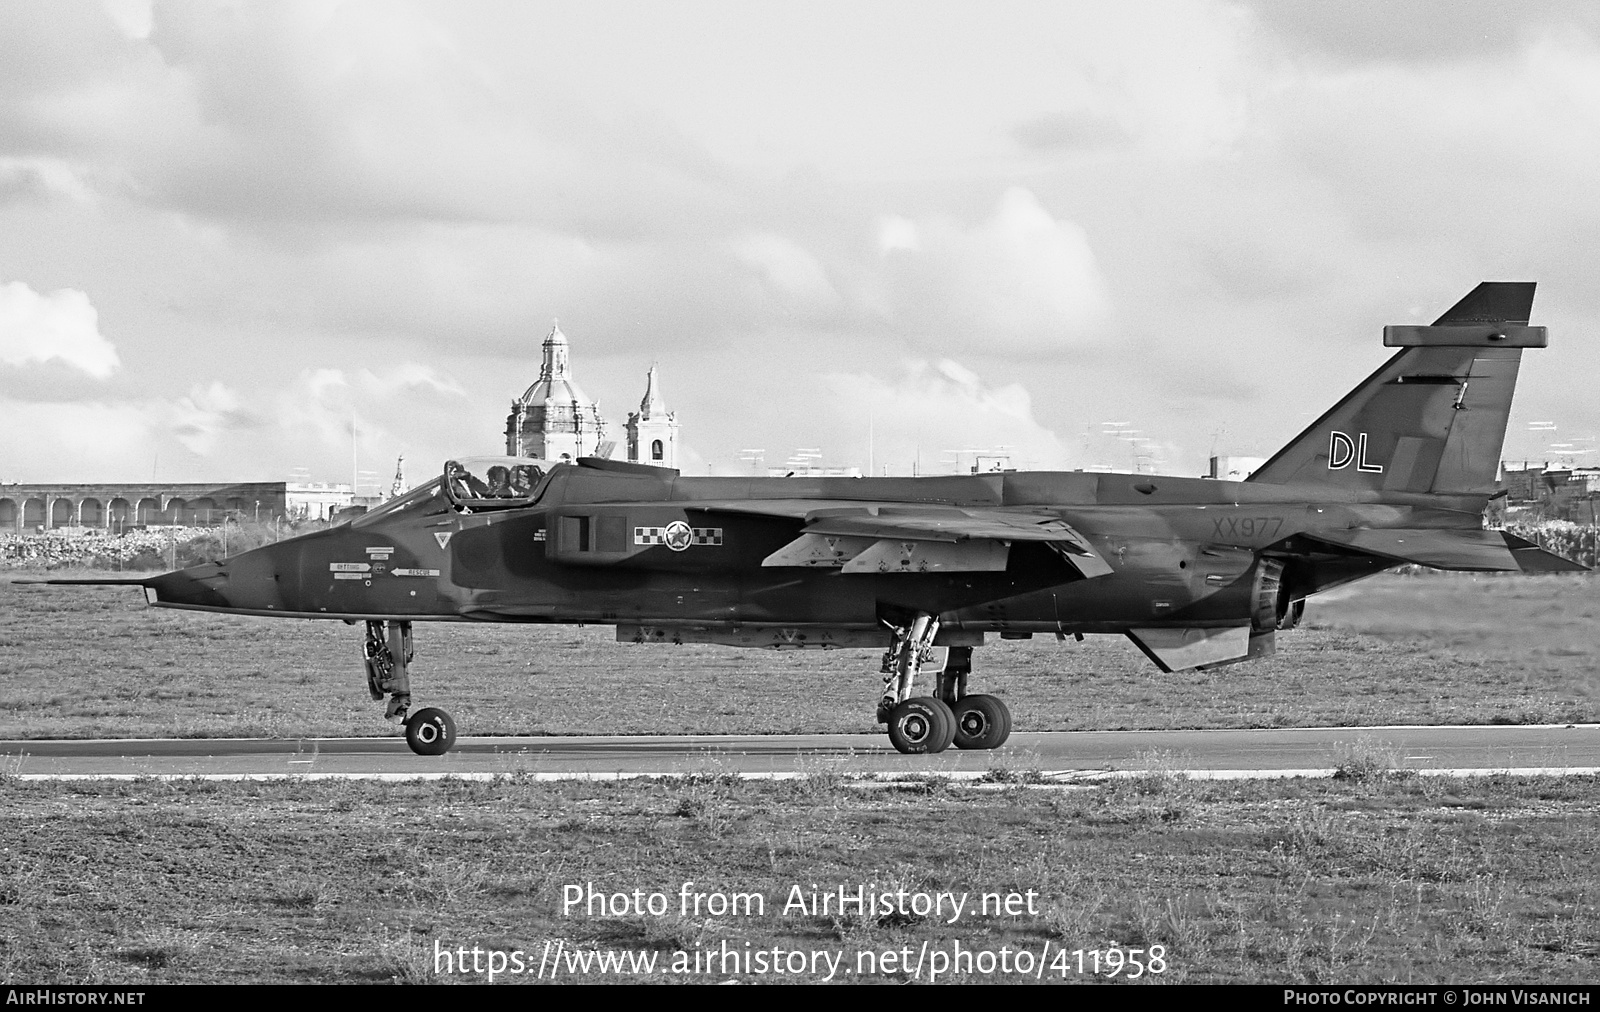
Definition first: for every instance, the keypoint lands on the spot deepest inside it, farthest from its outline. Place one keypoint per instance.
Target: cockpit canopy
(494, 483)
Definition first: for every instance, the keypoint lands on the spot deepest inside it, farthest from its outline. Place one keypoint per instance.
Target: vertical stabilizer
(1433, 419)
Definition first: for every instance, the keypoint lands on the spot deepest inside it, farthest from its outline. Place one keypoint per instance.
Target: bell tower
(653, 430)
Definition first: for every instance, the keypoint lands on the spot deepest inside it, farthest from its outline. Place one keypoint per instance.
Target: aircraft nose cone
(197, 587)
(247, 581)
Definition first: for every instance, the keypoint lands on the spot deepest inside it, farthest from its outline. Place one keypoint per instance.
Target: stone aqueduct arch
(110, 507)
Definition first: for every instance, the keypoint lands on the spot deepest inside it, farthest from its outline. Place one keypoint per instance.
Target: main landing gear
(919, 724)
(387, 652)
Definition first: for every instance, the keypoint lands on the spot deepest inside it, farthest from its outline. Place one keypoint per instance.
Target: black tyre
(981, 722)
(921, 725)
(430, 731)
(950, 721)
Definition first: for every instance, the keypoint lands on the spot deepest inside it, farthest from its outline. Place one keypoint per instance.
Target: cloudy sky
(228, 229)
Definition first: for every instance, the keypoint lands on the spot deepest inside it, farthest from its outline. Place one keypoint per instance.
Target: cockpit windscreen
(494, 483)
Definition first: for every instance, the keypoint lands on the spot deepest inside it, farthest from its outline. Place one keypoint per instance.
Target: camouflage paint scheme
(1197, 572)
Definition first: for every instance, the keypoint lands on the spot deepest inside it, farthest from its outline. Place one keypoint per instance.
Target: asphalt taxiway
(1060, 754)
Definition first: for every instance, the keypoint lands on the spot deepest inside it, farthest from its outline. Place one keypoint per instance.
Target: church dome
(554, 418)
(555, 385)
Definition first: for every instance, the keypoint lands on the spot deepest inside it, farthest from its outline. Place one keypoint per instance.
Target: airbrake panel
(1174, 649)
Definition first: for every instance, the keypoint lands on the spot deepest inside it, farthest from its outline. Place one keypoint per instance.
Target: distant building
(813, 471)
(994, 461)
(555, 420)
(1234, 468)
(309, 500)
(119, 507)
(653, 430)
(807, 463)
(114, 507)
(1550, 493)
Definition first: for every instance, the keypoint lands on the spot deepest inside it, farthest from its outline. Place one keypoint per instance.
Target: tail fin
(1433, 419)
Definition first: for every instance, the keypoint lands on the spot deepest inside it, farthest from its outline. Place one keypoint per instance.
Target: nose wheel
(430, 731)
(387, 653)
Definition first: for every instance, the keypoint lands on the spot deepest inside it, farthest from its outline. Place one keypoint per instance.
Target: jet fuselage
(1180, 550)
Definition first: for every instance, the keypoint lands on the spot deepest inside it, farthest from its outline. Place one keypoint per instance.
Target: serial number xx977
(1247, 527)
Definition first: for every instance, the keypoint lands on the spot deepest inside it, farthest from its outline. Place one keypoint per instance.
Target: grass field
(1371, 878)
(1403, 879)
(1430, 649)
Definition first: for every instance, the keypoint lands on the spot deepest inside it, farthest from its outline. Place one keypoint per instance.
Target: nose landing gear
(387, 652)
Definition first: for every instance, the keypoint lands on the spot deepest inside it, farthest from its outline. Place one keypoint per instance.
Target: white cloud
(293, 185)
(57, 441)
(80, 441)
(105, 440)
(200, 419)
(790, 273)
(1039, 272)
(1426, 137)
(936, 410)
(216, 432)
(60, 327)
(895, 232)
(398, 379)
(1176, 76)
(1022, 280)
(133, 17)
(44, 177)
(385, 406)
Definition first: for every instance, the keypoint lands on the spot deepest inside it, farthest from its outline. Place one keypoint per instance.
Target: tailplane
(1433, 419)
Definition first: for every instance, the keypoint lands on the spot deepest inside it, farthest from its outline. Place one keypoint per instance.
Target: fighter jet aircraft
(1196, 572)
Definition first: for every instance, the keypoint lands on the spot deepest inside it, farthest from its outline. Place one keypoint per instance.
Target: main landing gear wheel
(981, 722)
(430, 731)
(921, 725)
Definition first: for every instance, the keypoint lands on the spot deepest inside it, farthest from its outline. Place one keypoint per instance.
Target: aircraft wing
(944, 524)
(910, 538)
(792, 509)
(1480, 551)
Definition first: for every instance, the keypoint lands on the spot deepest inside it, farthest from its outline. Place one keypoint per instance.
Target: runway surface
(1064, 754)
